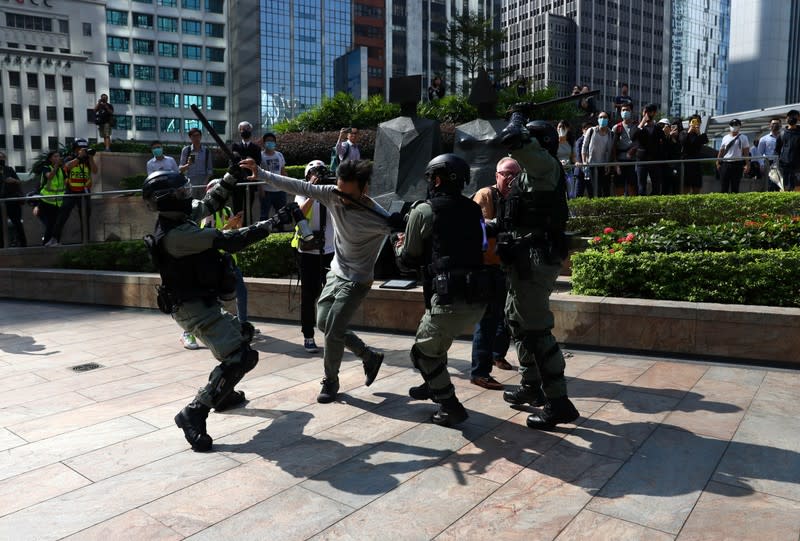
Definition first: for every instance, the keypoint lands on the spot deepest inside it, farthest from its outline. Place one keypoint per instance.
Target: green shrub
(134, 182)
(588, 216)
(341, 110)
(760, 277)
(272, 257)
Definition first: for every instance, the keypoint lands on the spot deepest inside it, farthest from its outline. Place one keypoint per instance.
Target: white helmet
(311, 165)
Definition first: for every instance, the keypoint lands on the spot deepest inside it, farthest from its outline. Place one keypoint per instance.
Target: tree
(469, 42)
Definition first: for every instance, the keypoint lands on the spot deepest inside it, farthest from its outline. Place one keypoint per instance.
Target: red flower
(608, 230)
(596, 240)
(621, 240)
(611, 251)
(630, 237)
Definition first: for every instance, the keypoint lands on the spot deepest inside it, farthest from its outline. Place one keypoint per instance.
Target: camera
(323, 175)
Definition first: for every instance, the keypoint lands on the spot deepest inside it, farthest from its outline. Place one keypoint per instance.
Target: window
(66, 83)
(144, 73)
(119, 95)
(122, 71)
(36, 142)
(192, 77)
(166, 48)
(69, 114)
(16, 111)
(218, 125)
(215, 103)
(52, 142)
(215, 78)
(143, 46)
(33, 80)
(190, 4)
(214, 6)
(215, 30)
(12, 45)
(146, 123)
(189, 123)
(34, 112)
(167, 24)
(192, 99)
(63, 26)
(170, 125)
(116, 18)
(29, 22)
(192, 52)
(169, 99)
(144, 1)
(145, 97)
(168, 74)
(90, 116)
(215, 54)
(90, 86)
(190, 27)
(124, 122)
(19, 142)
(115, 43)
(168, 3)
(13, 78)
(142, 20)
(50, 82)
(51, 114)
(2, 140)
(87, 29)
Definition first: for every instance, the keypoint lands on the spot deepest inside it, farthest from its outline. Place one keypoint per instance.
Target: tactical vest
(221, 218)
(205, 275)
(80, 178)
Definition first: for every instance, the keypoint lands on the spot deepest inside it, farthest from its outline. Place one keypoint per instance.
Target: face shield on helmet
(168, 192)
(452, 170)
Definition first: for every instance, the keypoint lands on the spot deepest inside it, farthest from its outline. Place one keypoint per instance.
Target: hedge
(759, 277)
(272, 257)
(589, 216)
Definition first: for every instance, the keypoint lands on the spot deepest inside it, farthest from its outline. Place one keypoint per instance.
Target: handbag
(775, 176)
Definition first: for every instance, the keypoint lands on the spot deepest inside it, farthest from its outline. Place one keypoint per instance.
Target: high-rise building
(163, 57)
(764, 68)
(588, 42)
(369, 30)
(52, 72)
(699, 57)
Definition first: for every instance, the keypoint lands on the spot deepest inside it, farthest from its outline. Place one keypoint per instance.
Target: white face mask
(562, 132)
(626, 115)
(734, 129)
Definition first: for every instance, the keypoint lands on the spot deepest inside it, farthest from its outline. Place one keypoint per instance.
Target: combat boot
(372, 364)
(451, 412)
(233, 400)
(328, 392)
(556, 411)
(192, 420)
(421, 392)
(526, 394)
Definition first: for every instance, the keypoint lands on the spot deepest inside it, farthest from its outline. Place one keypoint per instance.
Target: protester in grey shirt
(195, 160)
(359, 235)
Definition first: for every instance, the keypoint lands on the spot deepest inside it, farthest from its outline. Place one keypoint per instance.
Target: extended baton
(213, 133)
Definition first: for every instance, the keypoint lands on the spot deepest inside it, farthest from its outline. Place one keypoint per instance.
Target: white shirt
(313, 223)
(735, 150)
(166, 164)
(273, 164)
(766, 147)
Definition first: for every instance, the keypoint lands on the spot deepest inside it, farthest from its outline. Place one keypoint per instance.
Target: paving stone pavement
(664, 449)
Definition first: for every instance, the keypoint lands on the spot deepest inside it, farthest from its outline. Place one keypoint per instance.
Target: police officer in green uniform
(444, 236)
(196, 272)
(531, 245)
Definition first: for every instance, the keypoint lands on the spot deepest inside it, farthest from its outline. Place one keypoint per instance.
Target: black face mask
(792, 120)
(246, 134)
(2, 163)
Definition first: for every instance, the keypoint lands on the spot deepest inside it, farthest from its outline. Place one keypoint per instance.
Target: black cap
(735, 122)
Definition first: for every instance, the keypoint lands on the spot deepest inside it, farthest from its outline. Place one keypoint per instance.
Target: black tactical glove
(523, 108)
(397, 221)
(283, 216)
(515, 134)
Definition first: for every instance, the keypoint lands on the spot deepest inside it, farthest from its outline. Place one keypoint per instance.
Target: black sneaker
(421, 392)
(192, 420)
(328, 392)
(526, 394)
(557, 411)
(233, 400)
(372, 364)
(451, 412)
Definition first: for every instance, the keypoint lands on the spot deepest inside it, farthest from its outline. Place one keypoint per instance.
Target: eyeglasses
(506, 174)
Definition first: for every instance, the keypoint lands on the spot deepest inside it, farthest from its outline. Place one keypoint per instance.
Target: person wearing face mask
(651, 140)
(360, 229)
(788, 150)
(245, 148)
(274, 162)
(625, 151)
(692, 142)
(597, 146)
(566, 155)
(160, 161)
(735, 147)
(766, 147)
(671, 179)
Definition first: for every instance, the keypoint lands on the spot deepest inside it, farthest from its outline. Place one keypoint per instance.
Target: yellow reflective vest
(54, 186)
(220, 218)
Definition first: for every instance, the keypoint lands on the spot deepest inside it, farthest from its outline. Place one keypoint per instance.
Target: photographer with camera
(79, 168)
(361, 226)
(314, 256)
(197, 274)
(104, 119)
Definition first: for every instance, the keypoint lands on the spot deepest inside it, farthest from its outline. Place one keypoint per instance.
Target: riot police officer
(531, 246)
(196, 272)
(445, 237)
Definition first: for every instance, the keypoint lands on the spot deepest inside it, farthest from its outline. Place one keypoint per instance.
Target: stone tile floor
(664, 449)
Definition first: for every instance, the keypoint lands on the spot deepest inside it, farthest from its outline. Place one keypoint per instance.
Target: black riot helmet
(453, 171)
(167, 191)
(546, 134)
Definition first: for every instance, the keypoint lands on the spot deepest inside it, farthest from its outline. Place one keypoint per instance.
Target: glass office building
(299, 41)
(699, 57)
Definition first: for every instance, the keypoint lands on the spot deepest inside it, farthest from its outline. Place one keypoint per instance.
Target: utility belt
(474, 286)
(169, 301)
(523, 254)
